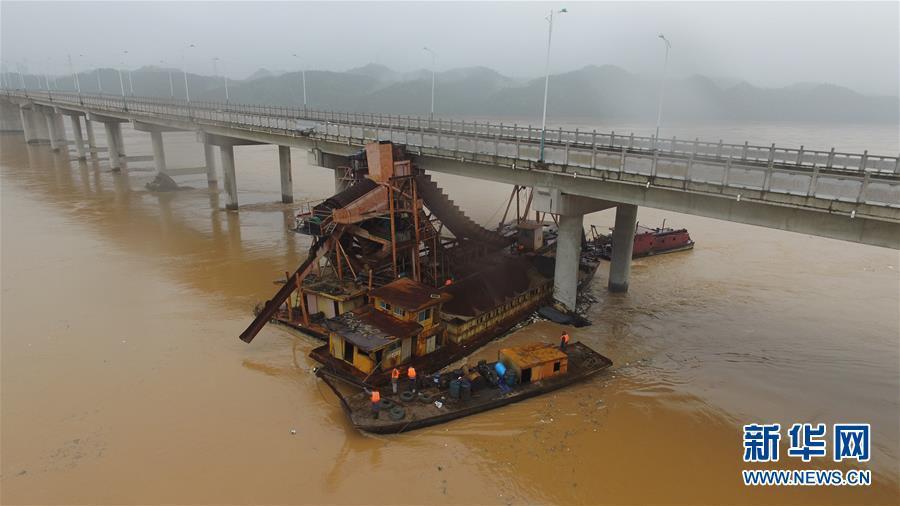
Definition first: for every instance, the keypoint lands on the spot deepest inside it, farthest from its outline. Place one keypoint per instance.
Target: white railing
(829, 175)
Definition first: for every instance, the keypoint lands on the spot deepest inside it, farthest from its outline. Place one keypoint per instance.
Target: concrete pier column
(79, 138)
(227, 154)
(57, 130)
(159, 152)
(92, 141)
(623, 246)
(340, 182)
(287, 184)
(113, 146)
(210, 156)
(120, 141)
(28, 126)
(10, 117)
(568, 257)
(42, 132)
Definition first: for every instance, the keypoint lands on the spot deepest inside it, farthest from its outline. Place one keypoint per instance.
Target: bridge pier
(56, 128)
(159, 152)
(113, 130)
(337, 163)
(28, 126)
(284, 165)
(210, 158)
(79, 137)
(226, 152)
(91, 140)
(10, 117)
(623, 247)
(571, 210)
(35, 125)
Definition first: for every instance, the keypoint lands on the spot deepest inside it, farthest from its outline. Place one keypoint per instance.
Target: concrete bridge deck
(848, 196)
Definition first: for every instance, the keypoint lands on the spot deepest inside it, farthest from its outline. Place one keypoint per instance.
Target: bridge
(847, 196)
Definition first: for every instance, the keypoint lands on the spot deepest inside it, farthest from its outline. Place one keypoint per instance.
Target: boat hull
(583, 363)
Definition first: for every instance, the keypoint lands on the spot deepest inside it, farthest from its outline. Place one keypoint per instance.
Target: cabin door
(429, 344)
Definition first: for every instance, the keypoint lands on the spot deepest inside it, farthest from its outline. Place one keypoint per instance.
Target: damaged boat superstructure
(398, 275)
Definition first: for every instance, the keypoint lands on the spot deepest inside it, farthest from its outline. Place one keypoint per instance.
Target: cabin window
(555, 366)
(399, 312)
(424, 315)
(384, 305)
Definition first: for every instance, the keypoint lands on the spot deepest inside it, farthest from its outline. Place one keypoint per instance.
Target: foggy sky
(853, 44)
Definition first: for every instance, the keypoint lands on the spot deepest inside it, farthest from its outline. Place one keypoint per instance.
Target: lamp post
(547, 80)
(171, 81)
(303, 78)
(216, 73)
(74, 75)
(433, 66)
(130, 79)
(187, 90)
(661, 84)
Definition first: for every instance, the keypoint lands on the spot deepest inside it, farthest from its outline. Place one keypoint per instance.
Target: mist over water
(123, 380)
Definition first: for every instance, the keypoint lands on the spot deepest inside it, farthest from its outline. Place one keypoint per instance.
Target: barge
(647, 241)
(398, 276)
(530, 370)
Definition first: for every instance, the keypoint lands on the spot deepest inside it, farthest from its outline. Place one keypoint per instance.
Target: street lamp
(661, 83)
(171, 81)
(74, 75)
(303, 78)
(433, 67)
(216, 73)
(187, 91)
(547, 80)
(130, 80)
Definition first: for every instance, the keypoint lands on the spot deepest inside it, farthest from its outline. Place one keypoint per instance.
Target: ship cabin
(402, 320)
(535, 361)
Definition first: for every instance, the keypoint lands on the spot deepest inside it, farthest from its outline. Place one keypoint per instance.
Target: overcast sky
(855, 44)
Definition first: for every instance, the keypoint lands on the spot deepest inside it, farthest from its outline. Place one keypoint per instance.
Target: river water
(123, 381)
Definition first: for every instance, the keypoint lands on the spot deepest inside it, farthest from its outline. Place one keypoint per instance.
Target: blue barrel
(454, 389)
(500, 368)
(465, 390)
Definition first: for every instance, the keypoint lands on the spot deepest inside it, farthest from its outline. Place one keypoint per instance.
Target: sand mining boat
(398, 276)
(519, 373)
(647, 241)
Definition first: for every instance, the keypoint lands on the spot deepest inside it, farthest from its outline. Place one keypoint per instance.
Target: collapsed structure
(399, 276)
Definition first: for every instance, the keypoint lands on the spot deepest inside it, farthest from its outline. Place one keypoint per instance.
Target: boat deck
(418, 413)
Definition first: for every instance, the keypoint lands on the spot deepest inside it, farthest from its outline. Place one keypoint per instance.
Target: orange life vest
(376, 396)
(565, 338)
(395, 374)
(448, 282)
(411, 372)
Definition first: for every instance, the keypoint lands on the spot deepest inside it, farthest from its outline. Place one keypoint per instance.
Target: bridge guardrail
(767, 169)
(262, 116)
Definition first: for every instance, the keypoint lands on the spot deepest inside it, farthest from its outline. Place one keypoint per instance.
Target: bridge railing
(284, 117)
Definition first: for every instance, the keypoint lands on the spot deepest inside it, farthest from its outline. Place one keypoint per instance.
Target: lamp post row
(216, 60)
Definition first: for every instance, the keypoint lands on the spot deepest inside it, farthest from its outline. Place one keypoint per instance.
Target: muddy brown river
(123, 380)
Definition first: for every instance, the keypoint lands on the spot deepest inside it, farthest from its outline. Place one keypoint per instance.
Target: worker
(448, 282)
(563, 341)
(395, 379)
(411, 372)
(376, 403)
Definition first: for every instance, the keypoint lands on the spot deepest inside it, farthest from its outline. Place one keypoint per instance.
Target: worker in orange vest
(411, 372)
(376, 403)
(563, 341)
(395, 379)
